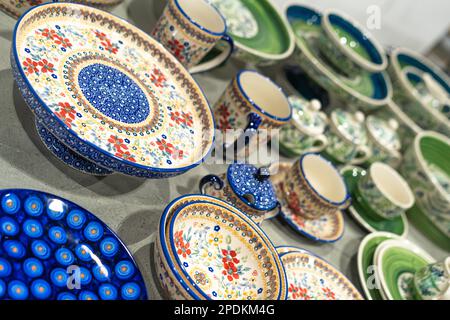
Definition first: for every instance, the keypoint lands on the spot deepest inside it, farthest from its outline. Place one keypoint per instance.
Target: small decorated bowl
(348, 46)
(236, 260)
(305, 132)
(247, 188)
(347, 136)
(384, 140)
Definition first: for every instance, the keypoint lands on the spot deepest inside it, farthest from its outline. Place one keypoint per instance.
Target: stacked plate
(208, 249)
(107, 97)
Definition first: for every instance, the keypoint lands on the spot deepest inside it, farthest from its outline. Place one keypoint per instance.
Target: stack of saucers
(207, 249)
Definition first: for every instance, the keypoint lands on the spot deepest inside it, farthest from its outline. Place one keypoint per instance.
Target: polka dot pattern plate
(51, 249)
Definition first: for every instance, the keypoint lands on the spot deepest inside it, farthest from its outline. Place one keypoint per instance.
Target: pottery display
(108, 97)
(247, 188)
(433, 281)
(190, 29)
(348, 46)
(305, 132)
(260, 33)
(396, 262)
(325, 228)
(384, 192)
(361, 211)
(409, 72)
(347, 136)
(384, 140)
(46, 240)
(234, 269)
(312, 278)
(367, 91)
(426, 166)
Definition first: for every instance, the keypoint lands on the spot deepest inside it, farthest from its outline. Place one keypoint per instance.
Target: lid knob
(393, 124)
(314, 105)
(359, 116)
(262, 174)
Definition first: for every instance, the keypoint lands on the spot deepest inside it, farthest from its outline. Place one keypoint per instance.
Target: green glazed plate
(360, 213)
(396, 262)
(255, 24)
(365, 257)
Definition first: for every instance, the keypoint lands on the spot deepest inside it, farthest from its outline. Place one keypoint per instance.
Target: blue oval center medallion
(113, 93)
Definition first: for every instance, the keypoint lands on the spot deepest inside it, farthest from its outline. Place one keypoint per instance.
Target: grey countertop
(132, 206)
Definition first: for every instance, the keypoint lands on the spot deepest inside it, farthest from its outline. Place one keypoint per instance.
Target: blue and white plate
(52, 249)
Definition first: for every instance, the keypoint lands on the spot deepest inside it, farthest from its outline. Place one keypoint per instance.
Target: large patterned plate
(110, 92)
(51, 249)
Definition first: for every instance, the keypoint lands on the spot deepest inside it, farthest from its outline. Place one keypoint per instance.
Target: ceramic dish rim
(374, 103)
(104, 225)
(14, 51)
(371, 66)
(406, 86)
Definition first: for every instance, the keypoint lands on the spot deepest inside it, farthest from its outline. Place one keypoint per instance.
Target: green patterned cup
(385, 191)
(433, 281)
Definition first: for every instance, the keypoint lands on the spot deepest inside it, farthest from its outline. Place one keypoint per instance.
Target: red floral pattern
(165, 146)
(230, 264)
(298, 293)
(329, 294)
(46, 66)
(57, 37)
(177, 48)
(66, 113)
(183, 249)
(30, 66)
(158, 78)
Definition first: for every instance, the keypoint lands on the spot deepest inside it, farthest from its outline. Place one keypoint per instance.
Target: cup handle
(363, 154)
(222, 57)
(210, 179)
(323, 142)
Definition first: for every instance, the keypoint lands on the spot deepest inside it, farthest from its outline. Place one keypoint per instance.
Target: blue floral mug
(190, 29)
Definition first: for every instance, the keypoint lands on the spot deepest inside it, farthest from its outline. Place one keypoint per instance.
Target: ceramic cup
(190, 29)
(385, 192)
(314, 187)
(251, 102)
(348, 47)
(433, 281)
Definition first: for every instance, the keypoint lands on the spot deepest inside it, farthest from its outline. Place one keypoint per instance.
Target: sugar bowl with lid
(305, 132)
(246, 187)
(347, 137)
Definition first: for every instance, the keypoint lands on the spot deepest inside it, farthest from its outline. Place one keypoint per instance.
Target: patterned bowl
(110, 92)
(235, 261)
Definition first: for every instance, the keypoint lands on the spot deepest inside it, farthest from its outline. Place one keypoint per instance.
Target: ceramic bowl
(348, 46)
(200, 279)
(123, 103)
(408, 96)
(426, 166)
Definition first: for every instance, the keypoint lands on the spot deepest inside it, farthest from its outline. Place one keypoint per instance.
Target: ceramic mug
(384, 191)
(190, 29)
(433, 281)
(314, 187)
(251, 102)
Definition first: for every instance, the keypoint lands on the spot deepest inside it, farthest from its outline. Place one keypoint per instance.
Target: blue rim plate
(166, 226)
(52, 249)
(108, 96)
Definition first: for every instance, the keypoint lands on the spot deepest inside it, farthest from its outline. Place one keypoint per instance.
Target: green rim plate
(365, 258)
(271, 35)
(398, 226)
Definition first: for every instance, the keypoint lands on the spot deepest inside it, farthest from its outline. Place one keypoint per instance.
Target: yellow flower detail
(215, 238)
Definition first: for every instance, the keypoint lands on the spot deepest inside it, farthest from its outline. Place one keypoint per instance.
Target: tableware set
(108, 98)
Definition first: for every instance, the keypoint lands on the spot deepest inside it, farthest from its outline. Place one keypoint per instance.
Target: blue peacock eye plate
(52, 249)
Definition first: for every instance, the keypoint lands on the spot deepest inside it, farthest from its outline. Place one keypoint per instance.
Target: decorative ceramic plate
(326, 228)
(366, 262)
(256, 28)
(396, 261)
(224, 255)
(368, 90)
(110, 92)
(286, 249)
(15, 8)
(312, 278)
(47, 241)
(398, 226)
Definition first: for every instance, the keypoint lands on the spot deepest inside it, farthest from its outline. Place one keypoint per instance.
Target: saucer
(72, 159)
(260, 34)
(326, 228)
(396, 262)
(365, 258)
(398, 226)
(110, 92)
(312, 278)
(46, 239)
(367, 91)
